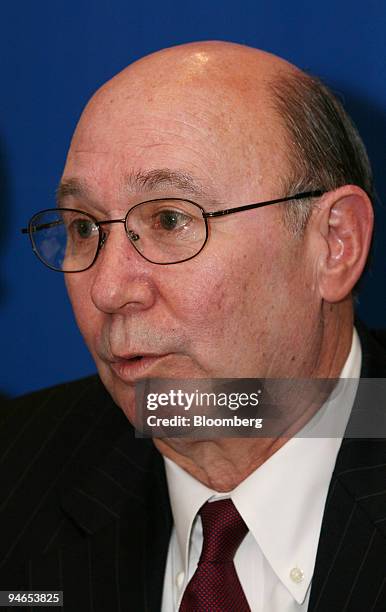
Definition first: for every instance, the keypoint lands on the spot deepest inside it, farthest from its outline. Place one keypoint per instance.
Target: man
(265, 292)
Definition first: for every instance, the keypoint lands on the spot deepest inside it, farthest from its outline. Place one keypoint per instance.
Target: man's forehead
(214, 121)
(137, 182)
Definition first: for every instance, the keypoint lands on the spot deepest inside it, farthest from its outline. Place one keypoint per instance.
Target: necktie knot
(215, 586)
(223, 530)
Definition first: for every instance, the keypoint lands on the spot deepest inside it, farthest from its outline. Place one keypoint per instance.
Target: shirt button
(296, 575)
(180, 579)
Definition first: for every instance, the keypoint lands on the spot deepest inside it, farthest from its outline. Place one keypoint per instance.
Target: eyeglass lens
(162, 231)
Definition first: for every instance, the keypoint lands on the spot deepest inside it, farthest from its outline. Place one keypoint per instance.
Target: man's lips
(130, 368)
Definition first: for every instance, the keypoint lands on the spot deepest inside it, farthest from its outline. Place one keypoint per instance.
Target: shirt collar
(187, 495)
(282, 502)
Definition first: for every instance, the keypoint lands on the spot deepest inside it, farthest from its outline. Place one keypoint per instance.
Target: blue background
(55, 53)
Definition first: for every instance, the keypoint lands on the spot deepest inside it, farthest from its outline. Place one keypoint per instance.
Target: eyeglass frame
(206, 215)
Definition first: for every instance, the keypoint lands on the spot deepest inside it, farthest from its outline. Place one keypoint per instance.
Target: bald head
(209, 98)
(212, 67)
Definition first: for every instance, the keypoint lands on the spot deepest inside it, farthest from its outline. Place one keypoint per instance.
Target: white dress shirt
(282, 503)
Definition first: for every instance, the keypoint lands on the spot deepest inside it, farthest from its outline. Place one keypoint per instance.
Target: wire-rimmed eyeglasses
(163, 231)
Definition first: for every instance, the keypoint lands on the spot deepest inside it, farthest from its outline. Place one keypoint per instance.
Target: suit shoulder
(373, 351)
(60, 430)
(54, 398)
(68, 389)
(380, 336)
(57, 418)
(51, 442)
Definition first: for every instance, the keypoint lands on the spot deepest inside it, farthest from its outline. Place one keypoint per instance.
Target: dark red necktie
(215, 586)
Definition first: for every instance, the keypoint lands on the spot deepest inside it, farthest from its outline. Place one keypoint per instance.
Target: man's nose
(122, 278)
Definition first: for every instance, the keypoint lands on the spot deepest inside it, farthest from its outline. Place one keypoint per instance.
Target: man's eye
(82, 228)
(171, 219)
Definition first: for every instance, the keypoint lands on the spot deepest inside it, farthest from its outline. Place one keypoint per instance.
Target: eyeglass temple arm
(218, 213)
(298, 196)
(36, 228)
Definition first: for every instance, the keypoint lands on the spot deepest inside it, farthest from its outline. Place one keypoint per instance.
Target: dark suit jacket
(85, 509)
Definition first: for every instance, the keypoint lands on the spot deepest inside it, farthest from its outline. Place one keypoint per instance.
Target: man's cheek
(203, 307)
(86, 315)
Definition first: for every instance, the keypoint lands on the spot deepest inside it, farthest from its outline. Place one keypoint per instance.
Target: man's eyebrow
(148, 180)
(70, 187)
(141, 181)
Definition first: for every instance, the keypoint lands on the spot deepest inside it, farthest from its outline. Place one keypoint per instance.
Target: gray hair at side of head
(325, 150)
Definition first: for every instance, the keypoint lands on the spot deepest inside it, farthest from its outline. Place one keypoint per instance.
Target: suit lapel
(350, 566)
(127, 494)
(351, 560)
(106, 490)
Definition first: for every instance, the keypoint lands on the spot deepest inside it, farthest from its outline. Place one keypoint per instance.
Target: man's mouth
(130, 368)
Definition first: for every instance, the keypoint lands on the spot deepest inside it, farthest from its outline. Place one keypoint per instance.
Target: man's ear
(345, 222)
